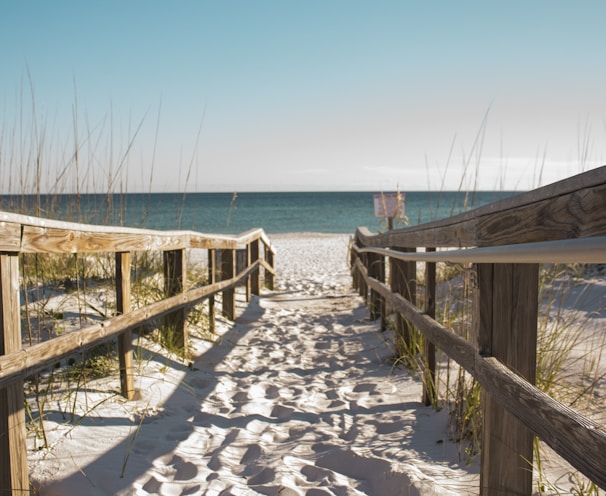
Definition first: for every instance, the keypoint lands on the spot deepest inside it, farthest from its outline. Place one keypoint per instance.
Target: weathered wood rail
(23, 234)
(505, 242)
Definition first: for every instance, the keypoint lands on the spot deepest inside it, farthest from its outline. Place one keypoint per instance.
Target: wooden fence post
(125, 340)
(376, 269)
(430, 390)
(212, 278)
(242, 258)
(13, 451)
(255, 276)
(404, 282)
(355, 273)
(228, 270)
(269, 277)
(175, 332)
(506, 326)
(363, 289)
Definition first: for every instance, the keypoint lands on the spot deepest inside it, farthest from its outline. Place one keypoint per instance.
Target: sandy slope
(298, 397)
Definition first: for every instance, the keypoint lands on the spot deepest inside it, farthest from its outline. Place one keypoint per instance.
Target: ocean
(227, 213)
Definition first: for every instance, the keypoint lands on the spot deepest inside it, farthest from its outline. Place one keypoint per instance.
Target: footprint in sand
(332, 394)
(316, 474)
(281, 412)
(192, 490)
(265, 476)
(365, 388)
(152, 486)
(240, 397)
(184, 470)
(252, 453)
(272, 392)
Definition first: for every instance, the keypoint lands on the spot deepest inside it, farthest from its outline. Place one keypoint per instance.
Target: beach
(298, 397)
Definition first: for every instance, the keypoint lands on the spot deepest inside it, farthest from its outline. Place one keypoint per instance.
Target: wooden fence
(232, 261)
(504, 243)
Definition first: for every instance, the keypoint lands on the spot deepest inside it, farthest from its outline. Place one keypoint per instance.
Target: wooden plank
(566, 209)
(430, 390)
(212, 278)
(579, 214)
(125, 340)
(50, 240)
(243, 261)
(355, 277)
(247, 286)
(404, 282)
(13, 449)
(228, 270)
(46, 236)
(430, 235)
(510, 296)
(577, 439)
(376, 269)
(10, 236)
(269, 274)
(361, 266)
(255, 281)
(213, 241)
(174, 326)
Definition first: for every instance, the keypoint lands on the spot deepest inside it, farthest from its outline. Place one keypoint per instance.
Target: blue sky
(311, 95)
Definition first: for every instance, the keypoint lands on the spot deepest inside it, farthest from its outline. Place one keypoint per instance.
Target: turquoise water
(322, 212)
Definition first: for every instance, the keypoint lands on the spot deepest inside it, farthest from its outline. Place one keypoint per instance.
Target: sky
(268, 95)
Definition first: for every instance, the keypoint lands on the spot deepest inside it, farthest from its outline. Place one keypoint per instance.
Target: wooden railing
(504, 243)
(22, 234)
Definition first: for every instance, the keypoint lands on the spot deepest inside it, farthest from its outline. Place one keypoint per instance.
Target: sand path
(298, 397)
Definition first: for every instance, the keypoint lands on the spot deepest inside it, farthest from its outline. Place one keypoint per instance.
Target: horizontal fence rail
(37, 357)
(585, 442)
(232, 261)
(583, 250)
(502, 244)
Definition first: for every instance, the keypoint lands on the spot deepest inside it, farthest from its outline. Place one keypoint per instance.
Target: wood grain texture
(572, 208)
(430, 390)
(174, 327)
(576, 215)
(376, 269)
(228, 270)
(125, 344)
(13, 455)
(36, 235)
(212, 278)
(403, 275)
(10, 236)
(269, 274)
(255, 281)
(509, 295)
(576, 438)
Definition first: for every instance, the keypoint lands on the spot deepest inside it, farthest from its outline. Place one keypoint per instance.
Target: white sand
(298, 397)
